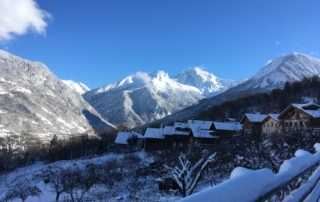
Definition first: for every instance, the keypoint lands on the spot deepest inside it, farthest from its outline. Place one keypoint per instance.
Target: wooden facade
(301, 116)
(252, 123)
(271, 125)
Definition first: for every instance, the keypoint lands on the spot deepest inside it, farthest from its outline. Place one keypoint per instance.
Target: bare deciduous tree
(52, 176)
(22, 190)
(185, 177)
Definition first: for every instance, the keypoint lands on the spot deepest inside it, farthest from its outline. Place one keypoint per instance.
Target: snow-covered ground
(243, 185)
(30, 173)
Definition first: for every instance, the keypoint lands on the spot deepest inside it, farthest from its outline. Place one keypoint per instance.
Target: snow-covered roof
(198, 133)
(254, 118)
(198, 123)
(304, 107)
(156, 133)
(230, 119)
(310, 108)
(273, 116)
(167, 130)
(231, 126)
(180, 128)
(123, 136)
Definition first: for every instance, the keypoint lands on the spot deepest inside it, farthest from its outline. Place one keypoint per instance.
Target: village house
(155, 139)
(271, 124)
(252, 123)
(227, 129)
(180, 135)
(122, 140)
(301, 116)
(206, 138)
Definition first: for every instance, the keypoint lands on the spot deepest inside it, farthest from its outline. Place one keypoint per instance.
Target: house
(155, 139)
(301, 116)
(224, 129)
(229, 119)
(252, 123)
(271, 124)
(202, 132)
(205, 138)
(122, 140)
(180, 135)
(204, 125)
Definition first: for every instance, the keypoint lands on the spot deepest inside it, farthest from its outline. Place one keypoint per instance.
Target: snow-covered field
(243, 185)
(30, 173)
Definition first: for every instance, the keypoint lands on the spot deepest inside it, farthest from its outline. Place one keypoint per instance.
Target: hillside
(288, 68)
(34, 100)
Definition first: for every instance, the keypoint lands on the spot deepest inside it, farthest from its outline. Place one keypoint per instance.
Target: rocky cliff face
(33, 99)
(142, 98)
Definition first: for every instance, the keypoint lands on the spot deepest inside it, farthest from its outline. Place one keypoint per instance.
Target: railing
(263, 185)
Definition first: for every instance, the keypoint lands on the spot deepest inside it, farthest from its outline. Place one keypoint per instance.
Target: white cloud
(144, 77)
(17, 17)
(269, 61)
(277, 43)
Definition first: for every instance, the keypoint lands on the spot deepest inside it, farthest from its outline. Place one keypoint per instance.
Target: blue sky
(99, 42)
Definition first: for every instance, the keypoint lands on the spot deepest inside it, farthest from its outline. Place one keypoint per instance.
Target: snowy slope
(145, 97)
(76, 86)
(142, 98)
(292, 67)
(33, 99)
(208, 84)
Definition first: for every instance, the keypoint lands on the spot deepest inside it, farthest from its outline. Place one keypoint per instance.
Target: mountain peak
(291, 67)
(207, 83)
(159, 74)
(76, 86)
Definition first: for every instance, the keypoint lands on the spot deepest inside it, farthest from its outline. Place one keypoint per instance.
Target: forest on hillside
(275, 101)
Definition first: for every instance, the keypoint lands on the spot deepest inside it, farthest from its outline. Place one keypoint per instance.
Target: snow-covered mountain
(142, 98)
(291, 67)
(76, 86)
(33, 99)
(145, 97)
(208, 84)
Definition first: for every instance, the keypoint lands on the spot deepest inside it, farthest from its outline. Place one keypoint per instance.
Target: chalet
(224, 129)
(252, 123)
(301, 116)
(204, 137)
(202, 132)
(229, 119)
(271, 124)
(154, 139)
(180, 135)
(122, 140)
(204, 125)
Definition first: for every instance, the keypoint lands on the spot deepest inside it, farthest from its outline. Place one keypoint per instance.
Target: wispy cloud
(277, 43)
(314, 53)
(17, 17)
(144, 77)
